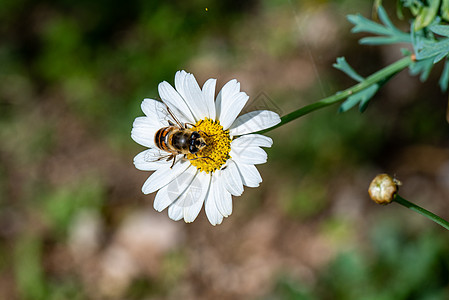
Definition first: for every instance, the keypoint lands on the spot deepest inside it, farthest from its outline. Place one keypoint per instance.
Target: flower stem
(380, 75)
(421, 211)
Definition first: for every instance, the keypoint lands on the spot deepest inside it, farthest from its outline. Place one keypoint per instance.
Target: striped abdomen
(173, 140)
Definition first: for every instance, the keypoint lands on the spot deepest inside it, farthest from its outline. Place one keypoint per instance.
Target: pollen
(218, 145)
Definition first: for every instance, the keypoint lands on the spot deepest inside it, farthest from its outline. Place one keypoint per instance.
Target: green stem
(380, 75)
(421, 211)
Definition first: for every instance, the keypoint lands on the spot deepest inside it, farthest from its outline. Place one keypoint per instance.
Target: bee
(178, 139)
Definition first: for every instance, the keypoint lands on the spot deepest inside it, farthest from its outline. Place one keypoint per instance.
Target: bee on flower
(200, 150)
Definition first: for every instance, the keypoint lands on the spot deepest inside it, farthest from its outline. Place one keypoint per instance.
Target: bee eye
(195, 135)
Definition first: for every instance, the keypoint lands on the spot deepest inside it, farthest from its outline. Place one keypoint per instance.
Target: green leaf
(363, 24)
(436, 50)
(399, 12)
(439, 57)
(444, 12)
(427, 14)
(422, 66)
(369, 94)
(384, 18)
(348, 104)
(343, 66)
(415, 6)
(380, 40)
(388, 33)
(428, 47)
(444, 79)
(363, 97)
(440, 29)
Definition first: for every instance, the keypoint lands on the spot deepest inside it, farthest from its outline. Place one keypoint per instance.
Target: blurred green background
(75, 225)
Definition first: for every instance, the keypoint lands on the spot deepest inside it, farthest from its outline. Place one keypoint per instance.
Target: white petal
(164, 176)
(143, 131)
(250, 175)
(209, 96)
(212, 213)
(231, 108)
(175, 102)
(177, 190)
(250, 140)
(227, 92)
(224, 202)
(175, 212)
(162, 200)
(249, 155)
(149, 160)
(232, 179)
(152, 108)
(254, 121)
(194, 98)
(194, 197)
(180, 77)
(187, 193)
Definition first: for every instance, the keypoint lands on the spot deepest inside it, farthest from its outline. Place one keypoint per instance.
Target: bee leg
(174, 160)
(173, 116)
(171, 123)
(202, 158)
(208, 158)
(208, 135)
(193, 125)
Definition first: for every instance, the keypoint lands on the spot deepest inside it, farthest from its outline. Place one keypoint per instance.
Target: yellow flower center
(218, 145)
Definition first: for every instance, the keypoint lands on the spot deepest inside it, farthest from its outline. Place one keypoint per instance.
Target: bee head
(197, 143)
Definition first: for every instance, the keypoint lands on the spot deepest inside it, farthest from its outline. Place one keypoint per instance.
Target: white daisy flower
(209, 172)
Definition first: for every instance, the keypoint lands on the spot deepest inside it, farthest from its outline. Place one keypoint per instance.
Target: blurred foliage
(348, 148)
(399, 264)
(74, 73)
(60, 205)
(114, 53)
(28, 267)
(425, 12)
(305, 200)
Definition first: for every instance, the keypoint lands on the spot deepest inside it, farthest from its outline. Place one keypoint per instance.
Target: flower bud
(383, 188)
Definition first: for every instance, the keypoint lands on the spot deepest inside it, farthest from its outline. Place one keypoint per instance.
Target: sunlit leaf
(445, 10)
(427, 14)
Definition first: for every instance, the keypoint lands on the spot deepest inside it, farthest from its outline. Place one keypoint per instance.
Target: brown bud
(383, 188)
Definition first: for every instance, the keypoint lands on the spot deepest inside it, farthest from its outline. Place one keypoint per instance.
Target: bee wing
(156, 155)
(165, 115)
(161, 113)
